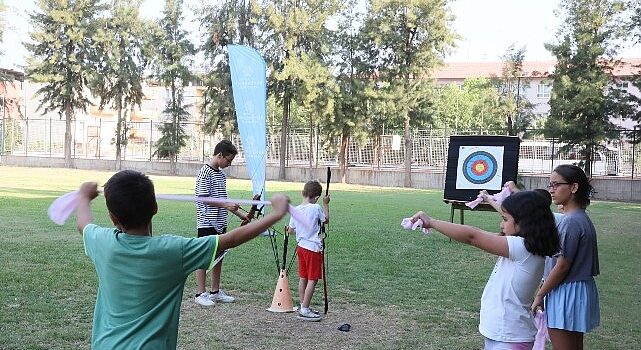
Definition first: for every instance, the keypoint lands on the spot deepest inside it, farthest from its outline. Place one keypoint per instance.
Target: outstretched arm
(87, 192)
(242, 234)
(326, 208)
(473, 236)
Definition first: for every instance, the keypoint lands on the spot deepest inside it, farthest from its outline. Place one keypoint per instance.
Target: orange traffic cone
(282, 301)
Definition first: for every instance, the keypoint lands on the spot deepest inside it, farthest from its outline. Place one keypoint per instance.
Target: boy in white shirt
(310, 247)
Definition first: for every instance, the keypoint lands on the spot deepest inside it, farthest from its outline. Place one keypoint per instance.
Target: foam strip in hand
(498, 198)
(409, 225)
(61, 208)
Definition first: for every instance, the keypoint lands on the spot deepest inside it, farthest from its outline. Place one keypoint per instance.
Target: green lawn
(398, 289)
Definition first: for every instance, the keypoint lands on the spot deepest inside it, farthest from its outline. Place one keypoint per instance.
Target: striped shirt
(211, 182)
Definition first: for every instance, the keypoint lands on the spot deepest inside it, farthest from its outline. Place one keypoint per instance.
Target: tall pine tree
(174, 51)
(583, 98)
(294, 41)
(408, 39)
(122, 60)
(62, 59)
(225, 22)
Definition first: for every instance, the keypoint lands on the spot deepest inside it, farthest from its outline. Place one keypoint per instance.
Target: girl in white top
(528, 234)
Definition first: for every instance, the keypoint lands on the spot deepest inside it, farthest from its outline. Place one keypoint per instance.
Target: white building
(535, 84)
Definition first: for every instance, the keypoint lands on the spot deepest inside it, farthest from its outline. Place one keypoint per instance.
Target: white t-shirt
(508, 295)
(309, 239)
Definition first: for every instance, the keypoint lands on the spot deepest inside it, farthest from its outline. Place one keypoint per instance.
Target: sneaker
(221, 297)
(308, 315)
(204, 299)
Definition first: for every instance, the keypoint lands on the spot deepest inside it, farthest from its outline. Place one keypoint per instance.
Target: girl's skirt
(573, 306)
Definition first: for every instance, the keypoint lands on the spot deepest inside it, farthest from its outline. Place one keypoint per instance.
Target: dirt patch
(246, 324)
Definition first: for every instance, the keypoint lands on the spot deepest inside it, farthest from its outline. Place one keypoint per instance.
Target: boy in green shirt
(141, 278)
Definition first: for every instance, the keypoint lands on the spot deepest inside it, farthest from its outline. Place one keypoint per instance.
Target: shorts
(573, 306)
(310, 264)
(500, 345)
(209, 231)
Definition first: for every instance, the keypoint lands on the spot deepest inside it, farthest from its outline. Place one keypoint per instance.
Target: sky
(486, 28)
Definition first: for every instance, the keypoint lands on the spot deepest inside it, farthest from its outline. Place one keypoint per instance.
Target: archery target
(480, 167)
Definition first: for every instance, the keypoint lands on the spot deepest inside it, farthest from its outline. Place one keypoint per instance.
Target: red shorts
(310, 264)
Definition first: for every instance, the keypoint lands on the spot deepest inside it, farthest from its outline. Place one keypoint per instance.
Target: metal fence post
(634, 146)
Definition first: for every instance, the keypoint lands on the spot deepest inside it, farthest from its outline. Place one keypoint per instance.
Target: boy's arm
(473, 236)
(87, 192)
(326, 208)
(242, 234)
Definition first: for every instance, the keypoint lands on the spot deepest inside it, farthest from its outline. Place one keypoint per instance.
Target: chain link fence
(95, 139)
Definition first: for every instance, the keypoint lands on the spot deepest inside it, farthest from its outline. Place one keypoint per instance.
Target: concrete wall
(608, 188)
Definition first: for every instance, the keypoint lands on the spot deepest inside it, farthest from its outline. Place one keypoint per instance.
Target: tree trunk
(311, 143)
(119, 135)
(342, 156)
(408, 151)
(172, 163)
(68, 116)
(283, 136)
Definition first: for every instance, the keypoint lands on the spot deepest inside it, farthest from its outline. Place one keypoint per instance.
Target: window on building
(622, 85)
(543, 90)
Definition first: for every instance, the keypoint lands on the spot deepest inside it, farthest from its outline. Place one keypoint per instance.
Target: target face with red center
(479, 167)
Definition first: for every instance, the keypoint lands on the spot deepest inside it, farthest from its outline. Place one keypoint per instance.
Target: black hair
(131, 198)
(312, 189)
(545, 194)
(536, 222)
(575, 175)
(226, 148)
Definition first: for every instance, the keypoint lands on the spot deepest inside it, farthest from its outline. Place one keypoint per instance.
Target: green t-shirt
(140, 285)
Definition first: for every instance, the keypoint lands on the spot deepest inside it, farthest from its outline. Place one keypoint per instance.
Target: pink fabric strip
(542, 333)
(408, 225)
(61, 208)
(498, 198)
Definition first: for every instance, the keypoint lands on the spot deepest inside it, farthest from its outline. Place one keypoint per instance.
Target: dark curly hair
(532, 213)
(574, 174)
(131, 198)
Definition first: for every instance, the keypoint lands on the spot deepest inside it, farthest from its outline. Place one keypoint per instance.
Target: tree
(350, 116)
(121, 60)
(634, 28)
(174, 49)
(475, 106)
(407, 40)
(226, 22)
(583, 99)
(62, 57)
(295, 40)
(516, 109)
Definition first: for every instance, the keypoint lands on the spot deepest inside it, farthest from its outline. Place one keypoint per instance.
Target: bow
(323, 237)
(252, 211)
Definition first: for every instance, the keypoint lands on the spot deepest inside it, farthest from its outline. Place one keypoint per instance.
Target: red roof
(464, 70)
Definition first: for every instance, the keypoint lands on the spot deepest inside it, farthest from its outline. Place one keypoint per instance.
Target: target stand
(476, 163)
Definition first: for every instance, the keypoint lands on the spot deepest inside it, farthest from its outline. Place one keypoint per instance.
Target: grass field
(398, 289)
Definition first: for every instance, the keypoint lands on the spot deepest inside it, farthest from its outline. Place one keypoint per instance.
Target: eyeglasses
(229, 160)
(554, 185)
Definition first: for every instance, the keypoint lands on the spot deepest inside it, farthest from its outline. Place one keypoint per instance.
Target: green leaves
(583, 100)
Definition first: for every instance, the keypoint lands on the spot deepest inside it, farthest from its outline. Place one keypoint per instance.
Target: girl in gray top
(571, 297)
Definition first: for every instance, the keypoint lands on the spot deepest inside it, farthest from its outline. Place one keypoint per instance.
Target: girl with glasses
(569, 294)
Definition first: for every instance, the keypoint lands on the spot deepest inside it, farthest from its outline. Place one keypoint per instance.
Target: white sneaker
(204, 299)
(308, 315)
(221, 297)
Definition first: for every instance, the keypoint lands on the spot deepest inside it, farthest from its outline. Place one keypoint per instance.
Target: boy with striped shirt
(212, 219)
